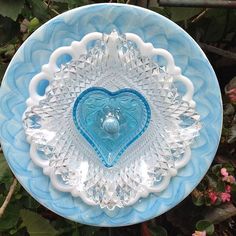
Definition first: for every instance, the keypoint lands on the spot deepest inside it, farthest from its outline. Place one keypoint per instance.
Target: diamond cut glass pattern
(165, 117)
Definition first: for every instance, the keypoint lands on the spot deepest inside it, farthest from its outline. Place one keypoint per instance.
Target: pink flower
(213, 197)
(232, 95)
(199, 233)
(229, 179)
(225, 197)
(227, 188)
(224, 172)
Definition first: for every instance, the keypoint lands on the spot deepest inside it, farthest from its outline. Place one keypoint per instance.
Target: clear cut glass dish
(112, 126)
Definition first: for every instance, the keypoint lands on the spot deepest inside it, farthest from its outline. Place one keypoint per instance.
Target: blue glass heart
(111, 121)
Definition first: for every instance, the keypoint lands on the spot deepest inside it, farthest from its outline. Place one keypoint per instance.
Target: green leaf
(29, 203)
(120, 1)
(229, 108)
(198, 201)
(202, 186)
(10, 216)
(36, 225)
(75, 233)
(13, 231)
(5, 173)
(76, 3)
(11, 8)
(8, 29)
(220, 186)
(39, 10)
(204, 225)
(216, 169)
(229, 167)
(183, 13)
(212, 180)
(207, 201)
(216, 24)
(88, 230)
(4, 167)
(3, 68)
(232, 134)
(158, 231)
(160, 10)
(233, 193)
(33, 24)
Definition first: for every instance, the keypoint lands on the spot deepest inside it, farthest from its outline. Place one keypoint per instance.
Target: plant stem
(218, 51)
(200, 15)
(109, 231)
(8, 197)
(51, 9)
(198, 3)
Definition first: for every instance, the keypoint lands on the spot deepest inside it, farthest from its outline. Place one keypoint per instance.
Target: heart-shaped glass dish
(154, 29)
(111, 121)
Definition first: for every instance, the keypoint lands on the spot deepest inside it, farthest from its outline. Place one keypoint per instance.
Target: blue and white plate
(110, 114)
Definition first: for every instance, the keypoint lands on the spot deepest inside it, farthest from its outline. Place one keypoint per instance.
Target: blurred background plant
(210, 210)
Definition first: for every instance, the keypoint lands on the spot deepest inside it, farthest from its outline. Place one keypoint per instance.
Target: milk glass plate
(110, 114)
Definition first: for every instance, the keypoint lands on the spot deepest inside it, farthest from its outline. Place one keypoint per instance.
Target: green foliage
(5, 174)
(36, 225)
(209, 192)
(11, 216)
(10, 26)
(178, 14)
(204, 225)
(233, 194)
(11, 8)
(39, 10)
(198, 200)
(158, 231)
(33, 24)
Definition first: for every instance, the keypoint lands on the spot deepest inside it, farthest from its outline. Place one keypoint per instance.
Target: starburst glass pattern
(147, 165)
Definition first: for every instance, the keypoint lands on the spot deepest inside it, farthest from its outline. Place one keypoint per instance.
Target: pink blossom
(213, 197)
(224, 172)
(228, 188)
(229, 179)
(225, 197)
(232, 95)
(199, 233)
